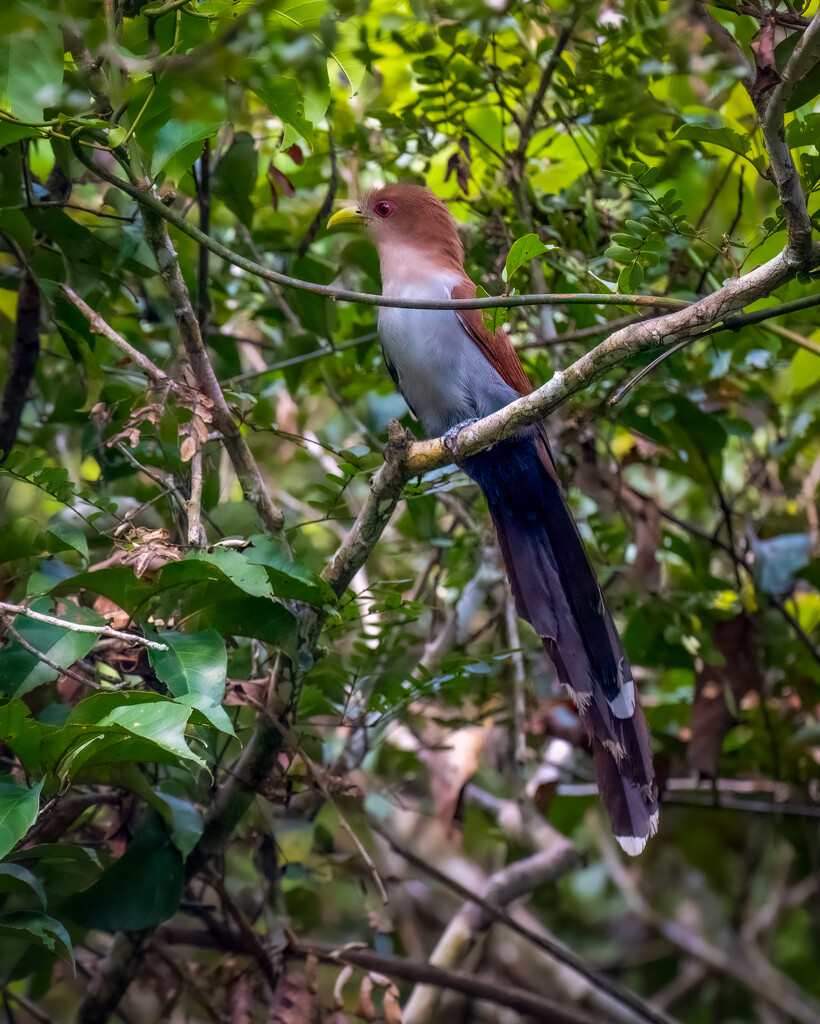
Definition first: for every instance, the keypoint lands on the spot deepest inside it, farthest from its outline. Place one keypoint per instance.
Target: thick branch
(784, 173)
(629, 341)
(405, 460)
(386, 488)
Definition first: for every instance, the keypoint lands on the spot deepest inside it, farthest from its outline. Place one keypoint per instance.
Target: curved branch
(629, 341)
(149, 202)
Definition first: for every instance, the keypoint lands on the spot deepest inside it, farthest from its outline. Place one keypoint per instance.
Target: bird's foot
(450, 439)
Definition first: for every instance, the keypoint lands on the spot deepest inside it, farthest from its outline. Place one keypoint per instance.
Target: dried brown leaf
(295, 1000)
(766, 74)
(365, 1008)
(720, 689)
(188, 449)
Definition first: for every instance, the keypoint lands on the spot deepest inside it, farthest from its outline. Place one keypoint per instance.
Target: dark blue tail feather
(556, 590)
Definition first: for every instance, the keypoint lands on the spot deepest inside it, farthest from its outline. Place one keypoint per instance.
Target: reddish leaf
(295, 1000)
(719, 690)
(766, 76)
(283, 182)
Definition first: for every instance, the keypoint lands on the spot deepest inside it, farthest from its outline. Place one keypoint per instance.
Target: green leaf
(618, 252)
(179, 145)
(283, 98)
(92, 371)
(287, 577)
(18, 812)
(235, 615)
(628, 241)
(493, 317)
(11, 133)
(117, 582)
(183, 819)
(21, 671)
(343, 56)
(193, 663)
(21, 733)
(41, 929)
(140, 889)
(14, 878)
(521, 251)
(206, 712)
(805, 132)
(723, 137)
(111, 728)
(231, 565)
(31, 63)
(71, 536)
(234, 177)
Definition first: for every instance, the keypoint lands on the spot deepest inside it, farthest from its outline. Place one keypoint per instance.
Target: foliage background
(180, 828)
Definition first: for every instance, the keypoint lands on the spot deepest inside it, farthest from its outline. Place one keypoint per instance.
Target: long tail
(556, 590)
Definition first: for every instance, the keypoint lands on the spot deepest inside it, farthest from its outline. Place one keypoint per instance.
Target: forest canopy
(274, 745)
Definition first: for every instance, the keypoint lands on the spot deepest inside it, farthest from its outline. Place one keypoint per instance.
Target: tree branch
(244, 464)
(549, 944)
(520, 878)
(783, 171)
(149, 202)
(80, 627)
(726, 43)
(99, 326)
(458, 981)
(629, 341)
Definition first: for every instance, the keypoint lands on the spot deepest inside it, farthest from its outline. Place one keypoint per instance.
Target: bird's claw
(450, 438)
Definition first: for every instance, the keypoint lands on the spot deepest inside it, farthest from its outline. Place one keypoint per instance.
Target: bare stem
(80, 627)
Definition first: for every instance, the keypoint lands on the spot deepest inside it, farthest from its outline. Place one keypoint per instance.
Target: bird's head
(404, 216)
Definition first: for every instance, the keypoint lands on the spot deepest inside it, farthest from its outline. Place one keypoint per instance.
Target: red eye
(383, 209)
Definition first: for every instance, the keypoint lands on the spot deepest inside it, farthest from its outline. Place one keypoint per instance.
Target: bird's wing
(496, 347)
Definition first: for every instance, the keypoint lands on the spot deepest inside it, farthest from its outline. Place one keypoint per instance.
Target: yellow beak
(346, 218)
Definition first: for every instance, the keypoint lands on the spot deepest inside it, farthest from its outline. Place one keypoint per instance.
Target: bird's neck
(406, 268)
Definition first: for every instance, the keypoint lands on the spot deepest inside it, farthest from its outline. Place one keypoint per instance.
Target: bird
(451, 370)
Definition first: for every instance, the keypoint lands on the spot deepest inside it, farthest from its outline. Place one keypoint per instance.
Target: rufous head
(402, 215)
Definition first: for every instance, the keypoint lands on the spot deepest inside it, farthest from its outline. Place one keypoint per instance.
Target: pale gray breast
(440, 371)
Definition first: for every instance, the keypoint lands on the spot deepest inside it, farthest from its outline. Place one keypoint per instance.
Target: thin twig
(550, 945)
(528, 1003)
(100, 326)
(80, 627)
(59, 669)
(151, 203)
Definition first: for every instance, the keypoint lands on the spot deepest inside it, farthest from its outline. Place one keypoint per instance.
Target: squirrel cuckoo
(451, 369)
